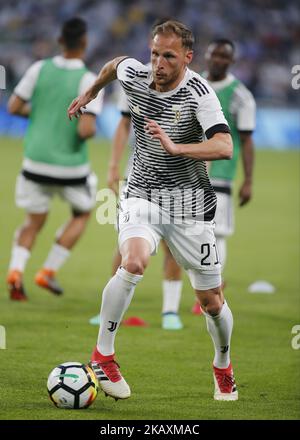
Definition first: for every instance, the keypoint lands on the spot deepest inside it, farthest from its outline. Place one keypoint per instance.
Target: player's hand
(245, 193)
(156, 132)
(113, 178)
(75, 108)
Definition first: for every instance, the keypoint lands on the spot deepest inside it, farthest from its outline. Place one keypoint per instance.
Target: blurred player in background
(239, 108)
(167, 160)
(172, 282)
(55, 156)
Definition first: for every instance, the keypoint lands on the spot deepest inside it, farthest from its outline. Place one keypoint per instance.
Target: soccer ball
(72, 385)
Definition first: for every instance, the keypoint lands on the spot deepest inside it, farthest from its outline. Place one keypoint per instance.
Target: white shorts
(35, 197)
(224, 217)
(193, 245)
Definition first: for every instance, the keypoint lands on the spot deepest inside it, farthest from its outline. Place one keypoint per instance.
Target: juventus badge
(113, 326)
(176, 109)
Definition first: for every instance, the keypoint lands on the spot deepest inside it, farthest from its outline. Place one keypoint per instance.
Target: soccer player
(55, 156)
(168, 194)
(238, 106)
(172, 282)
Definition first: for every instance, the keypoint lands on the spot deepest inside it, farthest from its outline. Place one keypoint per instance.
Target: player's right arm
(245, 121)
(18, 103)
(120, 141)
(87, 127)
(247, 147)
(107, 74)
(17, 106)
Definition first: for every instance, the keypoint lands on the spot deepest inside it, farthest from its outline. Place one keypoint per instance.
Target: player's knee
(213, 309)
(134, 265)
(212, 301)
(36, 227)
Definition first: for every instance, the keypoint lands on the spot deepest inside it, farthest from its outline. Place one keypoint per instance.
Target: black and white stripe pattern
(101, 376)
(198, 86)
(177, 112)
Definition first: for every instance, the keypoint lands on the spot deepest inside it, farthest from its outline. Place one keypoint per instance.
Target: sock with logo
(171, 295)
(116, 298)
(220, 328)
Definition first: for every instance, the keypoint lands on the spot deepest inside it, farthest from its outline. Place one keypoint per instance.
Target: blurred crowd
(266, 33)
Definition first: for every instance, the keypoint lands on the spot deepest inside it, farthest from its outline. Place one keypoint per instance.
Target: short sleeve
(25, 87)
(130, 69)
(246, 109)
(95, 106)
(210, 114)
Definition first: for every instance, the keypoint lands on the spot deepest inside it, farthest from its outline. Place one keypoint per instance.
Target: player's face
(169, 60)
(218, 57)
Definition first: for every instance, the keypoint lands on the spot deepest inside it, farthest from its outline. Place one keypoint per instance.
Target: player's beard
(164, 80)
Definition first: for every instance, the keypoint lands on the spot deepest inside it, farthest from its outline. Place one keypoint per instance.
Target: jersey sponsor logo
(136, 109)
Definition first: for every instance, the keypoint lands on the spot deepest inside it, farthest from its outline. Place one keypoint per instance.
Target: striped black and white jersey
(187, 113)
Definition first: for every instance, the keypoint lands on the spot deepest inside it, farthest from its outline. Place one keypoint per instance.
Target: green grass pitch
(169, 372)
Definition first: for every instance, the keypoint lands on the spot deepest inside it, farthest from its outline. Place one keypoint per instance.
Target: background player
(55, 156)
(167, 159)
(172, 282)
(239, 108)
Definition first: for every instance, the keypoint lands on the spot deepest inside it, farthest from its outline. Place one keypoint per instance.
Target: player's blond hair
(177, 28)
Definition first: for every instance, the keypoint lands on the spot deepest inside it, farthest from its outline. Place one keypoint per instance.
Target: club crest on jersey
(176, 110)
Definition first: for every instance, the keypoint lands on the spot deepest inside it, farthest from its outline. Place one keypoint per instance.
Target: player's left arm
(18, 106)
(218, 146)
(247, 150)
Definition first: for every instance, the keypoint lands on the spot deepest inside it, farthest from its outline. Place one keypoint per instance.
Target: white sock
(171, 295)
(220, 328)
(19, 257)
(222, 249)
(56, 257)
(116, 298)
